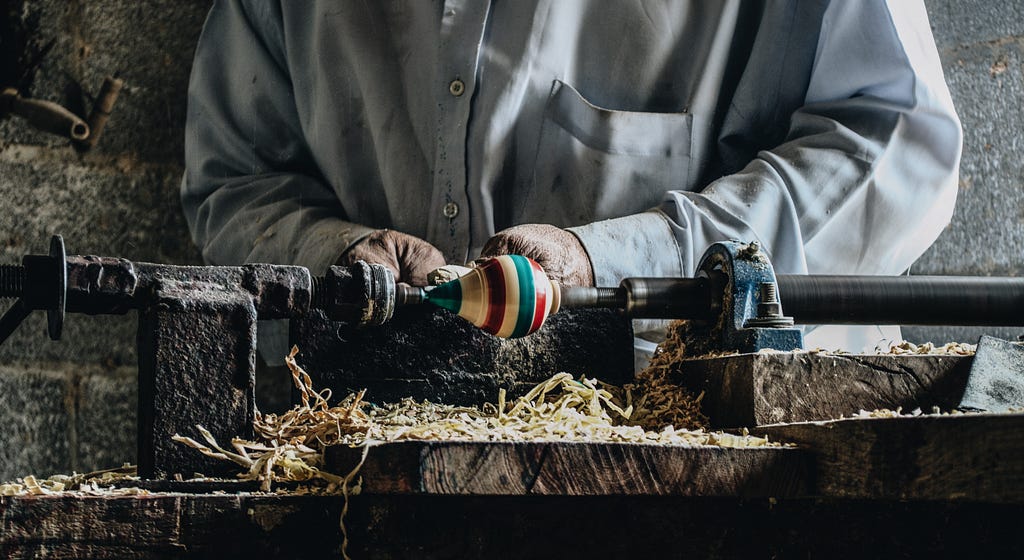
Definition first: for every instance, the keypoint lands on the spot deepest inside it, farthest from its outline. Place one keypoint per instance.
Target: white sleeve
(864, 182)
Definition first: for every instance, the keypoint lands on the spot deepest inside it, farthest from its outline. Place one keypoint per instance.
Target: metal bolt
(12, 280)
(361, 294)
(769, 308)
(753, 248)
(319, 293)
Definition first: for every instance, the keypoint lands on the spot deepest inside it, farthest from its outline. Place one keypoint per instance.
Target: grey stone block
(986, 236)
(970, 335)
(965, 22)
(35, 435)
(150, 45)
(106, 418)
(108, 207)
(104, 340)
(129, 212)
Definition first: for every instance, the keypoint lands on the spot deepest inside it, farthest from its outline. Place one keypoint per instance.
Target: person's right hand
(409, 258)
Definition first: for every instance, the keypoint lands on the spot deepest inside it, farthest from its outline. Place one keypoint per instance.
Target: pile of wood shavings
(952, 348)
(559, 409)
(290, 446)
(657, 401)
(902, 348)
(898, 413)
(97, 483)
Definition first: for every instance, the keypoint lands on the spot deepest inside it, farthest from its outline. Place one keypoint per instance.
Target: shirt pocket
(594, 163)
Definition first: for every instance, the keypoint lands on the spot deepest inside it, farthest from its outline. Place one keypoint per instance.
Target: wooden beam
(422, 526)
(574, 469)
(970, 457)
(771, 388)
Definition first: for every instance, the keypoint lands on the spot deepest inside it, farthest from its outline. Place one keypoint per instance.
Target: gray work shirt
(652, 129)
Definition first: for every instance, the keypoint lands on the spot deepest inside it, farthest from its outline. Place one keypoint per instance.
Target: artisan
(605, 139)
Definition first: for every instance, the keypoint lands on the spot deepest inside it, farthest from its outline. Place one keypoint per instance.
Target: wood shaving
(901, 348)
(658, 401)
(289, 447)
(96, 483)
(898, 413)
(952, 348)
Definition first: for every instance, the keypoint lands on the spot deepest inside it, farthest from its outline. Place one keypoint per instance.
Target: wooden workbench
(891, 487)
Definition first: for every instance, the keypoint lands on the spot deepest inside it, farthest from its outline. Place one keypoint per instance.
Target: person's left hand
(556, 250)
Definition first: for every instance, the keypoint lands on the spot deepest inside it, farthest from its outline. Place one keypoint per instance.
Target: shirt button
(450, 210)
(457, 88)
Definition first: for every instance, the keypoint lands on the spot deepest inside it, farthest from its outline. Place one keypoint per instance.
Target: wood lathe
(357, 329)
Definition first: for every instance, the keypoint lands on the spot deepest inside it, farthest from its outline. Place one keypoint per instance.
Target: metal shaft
(838, 300)
(409, 295)
(903, 300)
(649, 298)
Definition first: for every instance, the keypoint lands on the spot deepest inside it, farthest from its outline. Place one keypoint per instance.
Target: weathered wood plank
(498, 527)
(575, 469)
(974, 457)
(772, 388)
(167, 526)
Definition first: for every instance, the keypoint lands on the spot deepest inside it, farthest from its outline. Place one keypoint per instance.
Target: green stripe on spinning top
(447, 295)
(527, 297)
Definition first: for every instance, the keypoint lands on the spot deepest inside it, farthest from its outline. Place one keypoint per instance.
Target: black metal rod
(903, 300)
(668, 298)
(12, 318)
(648, 298)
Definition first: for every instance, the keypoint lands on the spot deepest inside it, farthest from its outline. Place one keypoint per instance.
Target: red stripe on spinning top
(541, 287)
(494, 284)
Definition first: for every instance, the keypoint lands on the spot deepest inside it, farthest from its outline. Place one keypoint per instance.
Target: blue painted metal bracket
(748, 320)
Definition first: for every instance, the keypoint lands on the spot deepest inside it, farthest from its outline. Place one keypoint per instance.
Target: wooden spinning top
(508, 296)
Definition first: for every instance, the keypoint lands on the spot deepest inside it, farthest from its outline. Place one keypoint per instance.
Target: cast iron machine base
(196, 334)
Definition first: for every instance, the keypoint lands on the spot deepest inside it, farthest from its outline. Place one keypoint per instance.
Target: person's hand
(557, 251)
(409, 258)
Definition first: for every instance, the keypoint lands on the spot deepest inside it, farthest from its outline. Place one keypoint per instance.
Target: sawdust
(659, 402)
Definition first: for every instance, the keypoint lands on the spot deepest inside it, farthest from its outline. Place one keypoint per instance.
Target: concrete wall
(71, 405)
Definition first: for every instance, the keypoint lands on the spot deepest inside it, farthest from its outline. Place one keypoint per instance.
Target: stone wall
(71, 405)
